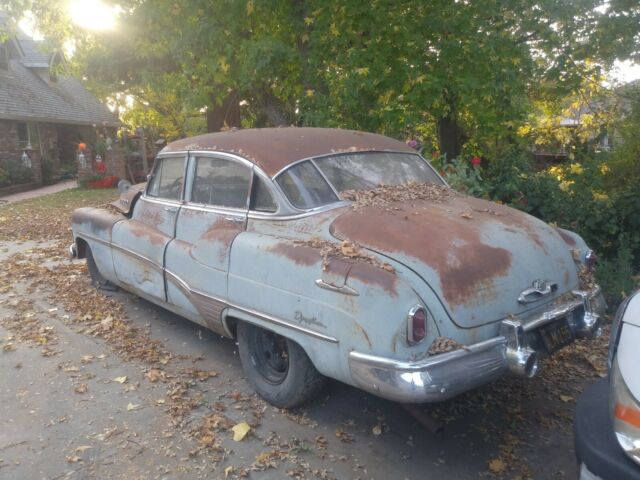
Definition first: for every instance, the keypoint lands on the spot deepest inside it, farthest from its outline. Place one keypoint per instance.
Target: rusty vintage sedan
(342, 254)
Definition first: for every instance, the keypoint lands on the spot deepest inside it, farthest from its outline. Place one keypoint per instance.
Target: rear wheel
(277, 368)
(97, 280)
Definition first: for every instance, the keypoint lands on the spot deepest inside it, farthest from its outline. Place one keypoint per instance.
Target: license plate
(556, 335)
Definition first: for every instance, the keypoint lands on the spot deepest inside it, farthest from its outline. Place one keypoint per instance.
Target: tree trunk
(450, 137)
(225, 115)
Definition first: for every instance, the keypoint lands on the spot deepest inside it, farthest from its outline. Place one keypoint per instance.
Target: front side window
(304, 186)
(168, 179)
(221, 182)
(368, 170)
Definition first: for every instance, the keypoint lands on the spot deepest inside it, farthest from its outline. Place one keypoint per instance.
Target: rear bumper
(597, 449)
(444, 376)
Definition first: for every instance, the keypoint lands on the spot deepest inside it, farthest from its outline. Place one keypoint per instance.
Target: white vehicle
(607, 427)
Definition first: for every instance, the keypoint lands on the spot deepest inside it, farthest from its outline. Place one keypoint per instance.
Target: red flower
(475, 161)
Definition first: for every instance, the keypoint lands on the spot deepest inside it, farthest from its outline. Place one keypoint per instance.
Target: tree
(463, 72)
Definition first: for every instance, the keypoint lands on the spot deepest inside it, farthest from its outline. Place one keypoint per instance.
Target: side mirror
(123, 186)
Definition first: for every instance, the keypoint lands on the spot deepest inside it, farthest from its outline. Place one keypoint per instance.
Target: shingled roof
(28, 93)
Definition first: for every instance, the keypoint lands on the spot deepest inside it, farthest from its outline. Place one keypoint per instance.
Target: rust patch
(450, 245)
(274, 148)
(150, 215)
(142, 230)
(300, 254)
(569, 240)
(222, 232)
(364, 333)
(98, 218)
(372, 275)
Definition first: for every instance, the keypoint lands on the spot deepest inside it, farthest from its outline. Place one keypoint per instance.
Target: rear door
(197, 261)
(140, 243)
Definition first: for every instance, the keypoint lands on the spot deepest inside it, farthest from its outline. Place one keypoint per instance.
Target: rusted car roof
(272, 149)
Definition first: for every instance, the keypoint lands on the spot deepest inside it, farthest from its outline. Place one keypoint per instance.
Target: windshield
(306, 187)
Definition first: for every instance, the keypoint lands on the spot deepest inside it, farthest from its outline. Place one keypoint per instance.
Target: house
(44, 116)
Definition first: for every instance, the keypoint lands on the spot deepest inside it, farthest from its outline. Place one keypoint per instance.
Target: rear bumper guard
(444, 376)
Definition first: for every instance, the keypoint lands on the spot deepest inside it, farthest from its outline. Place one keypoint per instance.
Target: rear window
(305, 187)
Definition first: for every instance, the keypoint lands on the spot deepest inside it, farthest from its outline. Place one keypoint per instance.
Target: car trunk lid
(478, 256)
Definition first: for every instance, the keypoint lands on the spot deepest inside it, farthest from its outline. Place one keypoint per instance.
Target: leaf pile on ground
(48, 217)
(345, 250)
(389, 197)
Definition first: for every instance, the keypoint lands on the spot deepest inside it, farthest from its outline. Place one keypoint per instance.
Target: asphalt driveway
(111, 386)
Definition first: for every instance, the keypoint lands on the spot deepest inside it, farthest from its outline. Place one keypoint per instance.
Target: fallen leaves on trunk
(345, 250)
(389, 197)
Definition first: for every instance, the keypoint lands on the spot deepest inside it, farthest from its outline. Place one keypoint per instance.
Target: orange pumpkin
(82, 147)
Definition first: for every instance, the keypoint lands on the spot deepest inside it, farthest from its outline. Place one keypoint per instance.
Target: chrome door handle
(169, 209)
(234, 219)
(347, 290)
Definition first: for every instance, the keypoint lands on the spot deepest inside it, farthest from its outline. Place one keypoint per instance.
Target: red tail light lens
(416, 325)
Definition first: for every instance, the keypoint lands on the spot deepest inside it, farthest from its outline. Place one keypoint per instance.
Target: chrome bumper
(73, 251)
(444, 376)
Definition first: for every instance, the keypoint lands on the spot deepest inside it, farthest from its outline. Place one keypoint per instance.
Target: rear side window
(168, 179)
(304, 186)
(221, 182)
(261, 199)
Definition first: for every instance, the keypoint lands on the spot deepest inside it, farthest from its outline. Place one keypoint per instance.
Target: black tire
(97, 280)
(277, 368)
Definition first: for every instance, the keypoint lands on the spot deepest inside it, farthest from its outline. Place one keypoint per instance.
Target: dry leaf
(83, 448)
(228, 470)
(497, 466)
(133, 406)
(120, 379)
(240, 431)
(73, 458)
(82, 388)
(377, 430)
(566, 398)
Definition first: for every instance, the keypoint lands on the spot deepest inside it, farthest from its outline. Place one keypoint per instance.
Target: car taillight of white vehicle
(624, 359)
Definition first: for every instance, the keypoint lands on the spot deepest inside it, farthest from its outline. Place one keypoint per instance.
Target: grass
(48, 217)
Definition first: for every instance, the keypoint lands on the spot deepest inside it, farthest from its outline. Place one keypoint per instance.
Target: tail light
(416, 325)
(625, 413)
(590, 260)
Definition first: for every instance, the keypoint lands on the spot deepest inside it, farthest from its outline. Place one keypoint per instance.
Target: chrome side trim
(210, 308)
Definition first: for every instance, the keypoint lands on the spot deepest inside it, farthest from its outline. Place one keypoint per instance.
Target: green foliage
(616, 275)
(465, 177)
(14, 173)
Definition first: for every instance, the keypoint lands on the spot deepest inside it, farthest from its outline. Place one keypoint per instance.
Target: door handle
(169, 209)
(235, 219)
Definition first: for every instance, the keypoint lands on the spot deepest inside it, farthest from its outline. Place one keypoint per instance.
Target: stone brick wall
(10, 151)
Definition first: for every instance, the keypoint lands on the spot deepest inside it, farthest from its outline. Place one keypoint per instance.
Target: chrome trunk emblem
(539, 289)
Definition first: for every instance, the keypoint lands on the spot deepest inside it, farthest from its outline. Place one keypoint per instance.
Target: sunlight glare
(92, 14)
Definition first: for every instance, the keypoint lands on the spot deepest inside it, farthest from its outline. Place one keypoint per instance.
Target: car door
(197, 260)
(140, 242)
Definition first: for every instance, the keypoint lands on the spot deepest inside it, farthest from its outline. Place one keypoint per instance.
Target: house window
(28, 136)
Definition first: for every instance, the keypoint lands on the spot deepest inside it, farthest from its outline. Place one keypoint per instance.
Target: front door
(197, 260)
(139, 243)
